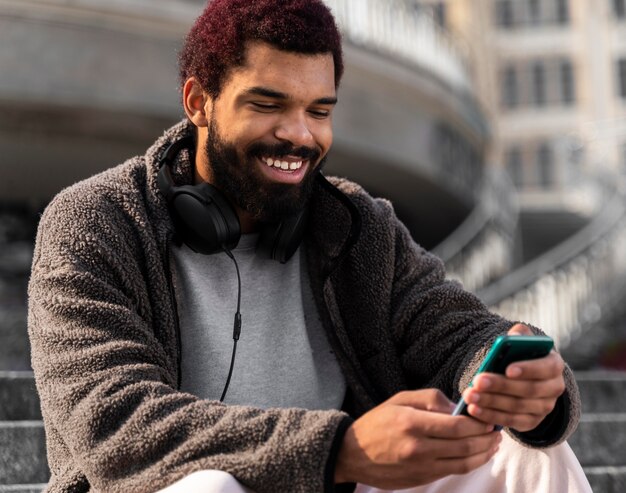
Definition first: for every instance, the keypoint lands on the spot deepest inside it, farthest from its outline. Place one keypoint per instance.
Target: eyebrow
(271, 93)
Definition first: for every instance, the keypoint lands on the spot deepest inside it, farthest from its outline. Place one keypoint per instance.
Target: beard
(237, 175)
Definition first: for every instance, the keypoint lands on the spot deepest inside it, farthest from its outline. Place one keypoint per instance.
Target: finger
(533, 389)
(505, 403)
(537, 369)
(519, 422)
(434, 425)
(466, 464)
(432, 400)
(466, 447)
(520, 330)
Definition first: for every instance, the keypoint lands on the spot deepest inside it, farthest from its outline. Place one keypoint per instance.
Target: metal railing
(576, 285)
(394, 27)
(481, 248)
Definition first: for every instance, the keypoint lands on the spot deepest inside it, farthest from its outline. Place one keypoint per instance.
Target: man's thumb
(520, 330)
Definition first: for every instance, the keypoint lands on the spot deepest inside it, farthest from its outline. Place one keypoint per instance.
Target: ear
(196, 102)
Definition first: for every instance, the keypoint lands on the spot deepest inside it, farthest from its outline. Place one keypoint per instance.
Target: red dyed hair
(217, 40)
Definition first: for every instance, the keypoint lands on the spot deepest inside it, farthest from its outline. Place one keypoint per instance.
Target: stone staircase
(599, 442)
(23, 466)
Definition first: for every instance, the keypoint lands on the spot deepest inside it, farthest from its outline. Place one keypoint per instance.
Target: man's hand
(521, 398)
(410, 440)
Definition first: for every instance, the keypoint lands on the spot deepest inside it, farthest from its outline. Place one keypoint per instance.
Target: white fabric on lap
(514, 469)
(209, 481)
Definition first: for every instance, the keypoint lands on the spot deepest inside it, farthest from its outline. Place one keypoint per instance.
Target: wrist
(330, 473)
(342, 464)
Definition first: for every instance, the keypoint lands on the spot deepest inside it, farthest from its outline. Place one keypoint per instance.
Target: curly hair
(216, 42)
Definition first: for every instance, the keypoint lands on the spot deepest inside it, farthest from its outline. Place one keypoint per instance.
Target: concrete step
(18, 397)
(600, 440)
(22, 488)
(602, 391)
(14, 345)
(16, 258)
(23, 453)
(606, 479)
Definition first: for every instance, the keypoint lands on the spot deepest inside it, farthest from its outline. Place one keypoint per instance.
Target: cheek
(324, 138)
(243, 131)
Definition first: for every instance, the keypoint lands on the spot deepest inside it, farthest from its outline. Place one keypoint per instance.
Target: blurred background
(496, 127)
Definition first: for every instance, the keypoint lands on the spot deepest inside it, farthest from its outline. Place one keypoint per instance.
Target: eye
(264, 107)
(319, 114)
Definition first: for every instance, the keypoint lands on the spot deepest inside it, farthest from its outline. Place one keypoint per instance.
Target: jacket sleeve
(444, 333)
(107, 384)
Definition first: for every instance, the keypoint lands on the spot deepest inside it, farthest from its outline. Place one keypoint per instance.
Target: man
(342, 344)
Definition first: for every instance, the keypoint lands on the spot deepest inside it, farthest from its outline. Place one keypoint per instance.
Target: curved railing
(481, 248)
(572, 287)
(395, 28)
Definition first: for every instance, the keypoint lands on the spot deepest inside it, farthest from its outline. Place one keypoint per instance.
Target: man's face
(270, 130)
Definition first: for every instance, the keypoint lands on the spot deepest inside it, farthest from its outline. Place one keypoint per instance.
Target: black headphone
(207, 223)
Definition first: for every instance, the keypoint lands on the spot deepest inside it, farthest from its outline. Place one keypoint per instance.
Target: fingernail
(514, 371)
(476, 410)
(485, 382)
(474, 398)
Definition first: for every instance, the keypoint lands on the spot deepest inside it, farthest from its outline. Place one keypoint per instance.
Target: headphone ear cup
(202, 216)
(204, 220)
(279, 241)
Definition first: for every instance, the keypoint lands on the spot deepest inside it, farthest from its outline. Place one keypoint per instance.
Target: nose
(294, 129)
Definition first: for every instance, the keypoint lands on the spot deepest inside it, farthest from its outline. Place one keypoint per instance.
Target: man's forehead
(278, 70)
(260, 53)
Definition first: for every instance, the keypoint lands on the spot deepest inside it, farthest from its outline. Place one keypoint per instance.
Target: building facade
(552, 76)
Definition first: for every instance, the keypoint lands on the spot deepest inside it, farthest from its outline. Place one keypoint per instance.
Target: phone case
(506, 350)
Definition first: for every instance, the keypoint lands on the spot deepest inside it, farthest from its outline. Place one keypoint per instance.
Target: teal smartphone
(506, 350)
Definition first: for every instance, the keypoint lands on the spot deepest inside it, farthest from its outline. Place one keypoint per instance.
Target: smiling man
(350, 341)
(267, 132)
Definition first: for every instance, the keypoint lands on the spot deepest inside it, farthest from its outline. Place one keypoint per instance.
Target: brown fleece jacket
(104, 335)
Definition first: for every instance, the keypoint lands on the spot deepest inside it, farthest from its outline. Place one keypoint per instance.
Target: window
(440, 14)
(545, 165)
(619, 7)
(504, 13)
(621, 77)
(562, 11)
(531, 13)
(538, 84)
(513, 159)
(509, 87)
(534, 12)
(566, 73)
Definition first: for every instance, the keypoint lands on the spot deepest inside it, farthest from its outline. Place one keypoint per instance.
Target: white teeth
(284, 165)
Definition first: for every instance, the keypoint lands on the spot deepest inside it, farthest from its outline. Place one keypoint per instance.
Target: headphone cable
(236, 324)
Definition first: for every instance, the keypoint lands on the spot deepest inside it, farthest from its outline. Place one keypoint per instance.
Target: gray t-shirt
(283, 356)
